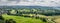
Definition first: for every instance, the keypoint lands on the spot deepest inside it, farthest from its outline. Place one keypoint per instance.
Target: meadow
(20, 19)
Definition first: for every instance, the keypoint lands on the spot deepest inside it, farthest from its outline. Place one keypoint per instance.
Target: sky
(30, 2)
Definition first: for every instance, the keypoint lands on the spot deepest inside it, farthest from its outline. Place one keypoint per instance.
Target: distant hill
(43, 7)
(57, 8)
(49, 9)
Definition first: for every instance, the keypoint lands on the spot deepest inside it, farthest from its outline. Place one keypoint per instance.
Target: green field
(20, 19)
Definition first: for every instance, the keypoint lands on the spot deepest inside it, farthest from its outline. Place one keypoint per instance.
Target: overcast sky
(30, 2)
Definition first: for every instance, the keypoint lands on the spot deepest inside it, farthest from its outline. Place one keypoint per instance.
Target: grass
(20, 19)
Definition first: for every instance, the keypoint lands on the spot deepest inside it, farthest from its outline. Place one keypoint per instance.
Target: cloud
(31, 2)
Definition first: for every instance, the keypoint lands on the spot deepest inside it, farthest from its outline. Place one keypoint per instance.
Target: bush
(10, 21)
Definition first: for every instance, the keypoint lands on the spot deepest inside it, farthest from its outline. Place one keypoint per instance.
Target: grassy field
(20, 19)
